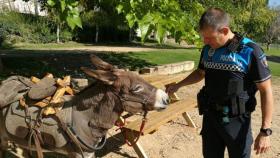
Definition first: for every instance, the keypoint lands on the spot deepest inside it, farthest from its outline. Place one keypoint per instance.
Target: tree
(259, 19)
(273, 31)
(250, 17)
(179, 18)
(36, 7)
(101, 13)
(64, 11)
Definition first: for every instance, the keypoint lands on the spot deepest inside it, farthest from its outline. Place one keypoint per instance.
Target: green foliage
(180, 17)
(16, 28)
(250, 17)
(93, 18)
(102, 14)
(162, 18)
(273, 30)
(177, 18)
(65, 11)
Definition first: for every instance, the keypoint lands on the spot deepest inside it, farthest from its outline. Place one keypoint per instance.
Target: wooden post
(189, 120)
(186, 116)
(131, 136)
(137, 147)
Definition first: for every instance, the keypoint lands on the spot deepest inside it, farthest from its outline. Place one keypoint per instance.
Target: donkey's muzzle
(162, 99)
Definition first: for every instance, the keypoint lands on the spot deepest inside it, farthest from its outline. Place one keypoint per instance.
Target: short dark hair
(214, 18)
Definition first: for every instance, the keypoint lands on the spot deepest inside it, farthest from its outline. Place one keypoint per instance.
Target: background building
(30, 7)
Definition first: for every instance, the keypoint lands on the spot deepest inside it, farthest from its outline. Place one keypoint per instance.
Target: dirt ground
(176, 140)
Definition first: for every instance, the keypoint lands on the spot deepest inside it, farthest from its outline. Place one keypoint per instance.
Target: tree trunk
(2, 154)
(10, 5)
(130, 35)
(36, 7)
(29, 9)
(1, 65)
(96, 33)
(57, 33)
(267, 46)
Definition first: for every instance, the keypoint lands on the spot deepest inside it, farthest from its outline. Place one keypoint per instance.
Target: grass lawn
(274, 65)
(177, 55)
(168, 56)
(273, 51)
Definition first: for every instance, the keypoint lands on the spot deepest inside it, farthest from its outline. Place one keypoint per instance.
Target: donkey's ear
(105, 76)
(100, 64)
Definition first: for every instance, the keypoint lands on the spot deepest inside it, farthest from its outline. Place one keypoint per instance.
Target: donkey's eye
(138, 88)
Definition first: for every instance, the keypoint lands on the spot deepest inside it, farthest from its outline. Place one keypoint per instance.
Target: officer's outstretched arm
(196, 76)
(262, 142)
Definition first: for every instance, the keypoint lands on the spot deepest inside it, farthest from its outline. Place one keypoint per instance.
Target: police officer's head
(214, 27)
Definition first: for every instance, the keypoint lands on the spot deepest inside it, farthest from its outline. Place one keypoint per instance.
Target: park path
(111, 48)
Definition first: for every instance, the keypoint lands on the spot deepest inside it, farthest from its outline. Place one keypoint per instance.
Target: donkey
(92, 112)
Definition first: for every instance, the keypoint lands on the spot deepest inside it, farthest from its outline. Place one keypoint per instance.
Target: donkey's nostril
(166, 101)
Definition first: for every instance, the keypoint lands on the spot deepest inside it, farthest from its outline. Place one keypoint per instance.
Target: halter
(144, 102)
(127, 97)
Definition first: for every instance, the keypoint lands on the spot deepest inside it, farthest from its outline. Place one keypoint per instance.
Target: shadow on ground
(113, 144)
(61, 62)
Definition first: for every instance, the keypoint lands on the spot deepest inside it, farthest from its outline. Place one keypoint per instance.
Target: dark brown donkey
(80, 127)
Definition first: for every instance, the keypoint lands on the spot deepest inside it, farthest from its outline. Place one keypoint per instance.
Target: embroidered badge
(211, 52)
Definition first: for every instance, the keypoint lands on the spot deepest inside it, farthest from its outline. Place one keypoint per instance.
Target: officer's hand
(172, 88)
(262, 144)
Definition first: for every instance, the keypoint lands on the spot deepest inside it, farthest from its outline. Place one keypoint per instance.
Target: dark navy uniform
(231, 74)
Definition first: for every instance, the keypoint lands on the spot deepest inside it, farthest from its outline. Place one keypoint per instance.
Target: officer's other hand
(262, 144)
(172, 88)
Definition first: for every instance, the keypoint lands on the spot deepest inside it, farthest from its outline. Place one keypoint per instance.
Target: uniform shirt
(248, 64)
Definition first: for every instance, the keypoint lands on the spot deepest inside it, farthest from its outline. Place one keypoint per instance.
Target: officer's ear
(224, 30)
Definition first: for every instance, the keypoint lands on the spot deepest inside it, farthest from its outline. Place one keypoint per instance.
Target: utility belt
(231, 105)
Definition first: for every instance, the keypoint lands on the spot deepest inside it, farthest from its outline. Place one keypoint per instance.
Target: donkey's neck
(97, 108)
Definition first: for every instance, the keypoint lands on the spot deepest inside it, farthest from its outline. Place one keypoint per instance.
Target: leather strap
(70, 135)
(35, 134)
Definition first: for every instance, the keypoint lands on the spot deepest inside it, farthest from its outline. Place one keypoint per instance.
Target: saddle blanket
(52, 134)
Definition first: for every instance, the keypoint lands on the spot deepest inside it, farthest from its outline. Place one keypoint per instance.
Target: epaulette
(236, 43)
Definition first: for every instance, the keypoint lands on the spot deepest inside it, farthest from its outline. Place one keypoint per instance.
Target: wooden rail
(158, 118)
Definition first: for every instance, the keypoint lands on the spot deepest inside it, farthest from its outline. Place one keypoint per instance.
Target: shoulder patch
(264, 62)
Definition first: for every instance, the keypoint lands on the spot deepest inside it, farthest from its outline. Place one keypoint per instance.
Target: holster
(237, 102)
(202, 101)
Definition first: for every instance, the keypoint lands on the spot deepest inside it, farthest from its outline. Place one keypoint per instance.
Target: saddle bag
(12, 89)
(52, 134)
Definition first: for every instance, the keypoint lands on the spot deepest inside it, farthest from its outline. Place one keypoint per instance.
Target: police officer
(234, 68)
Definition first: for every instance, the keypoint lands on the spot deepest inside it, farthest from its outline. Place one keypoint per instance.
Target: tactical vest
(227, 79)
